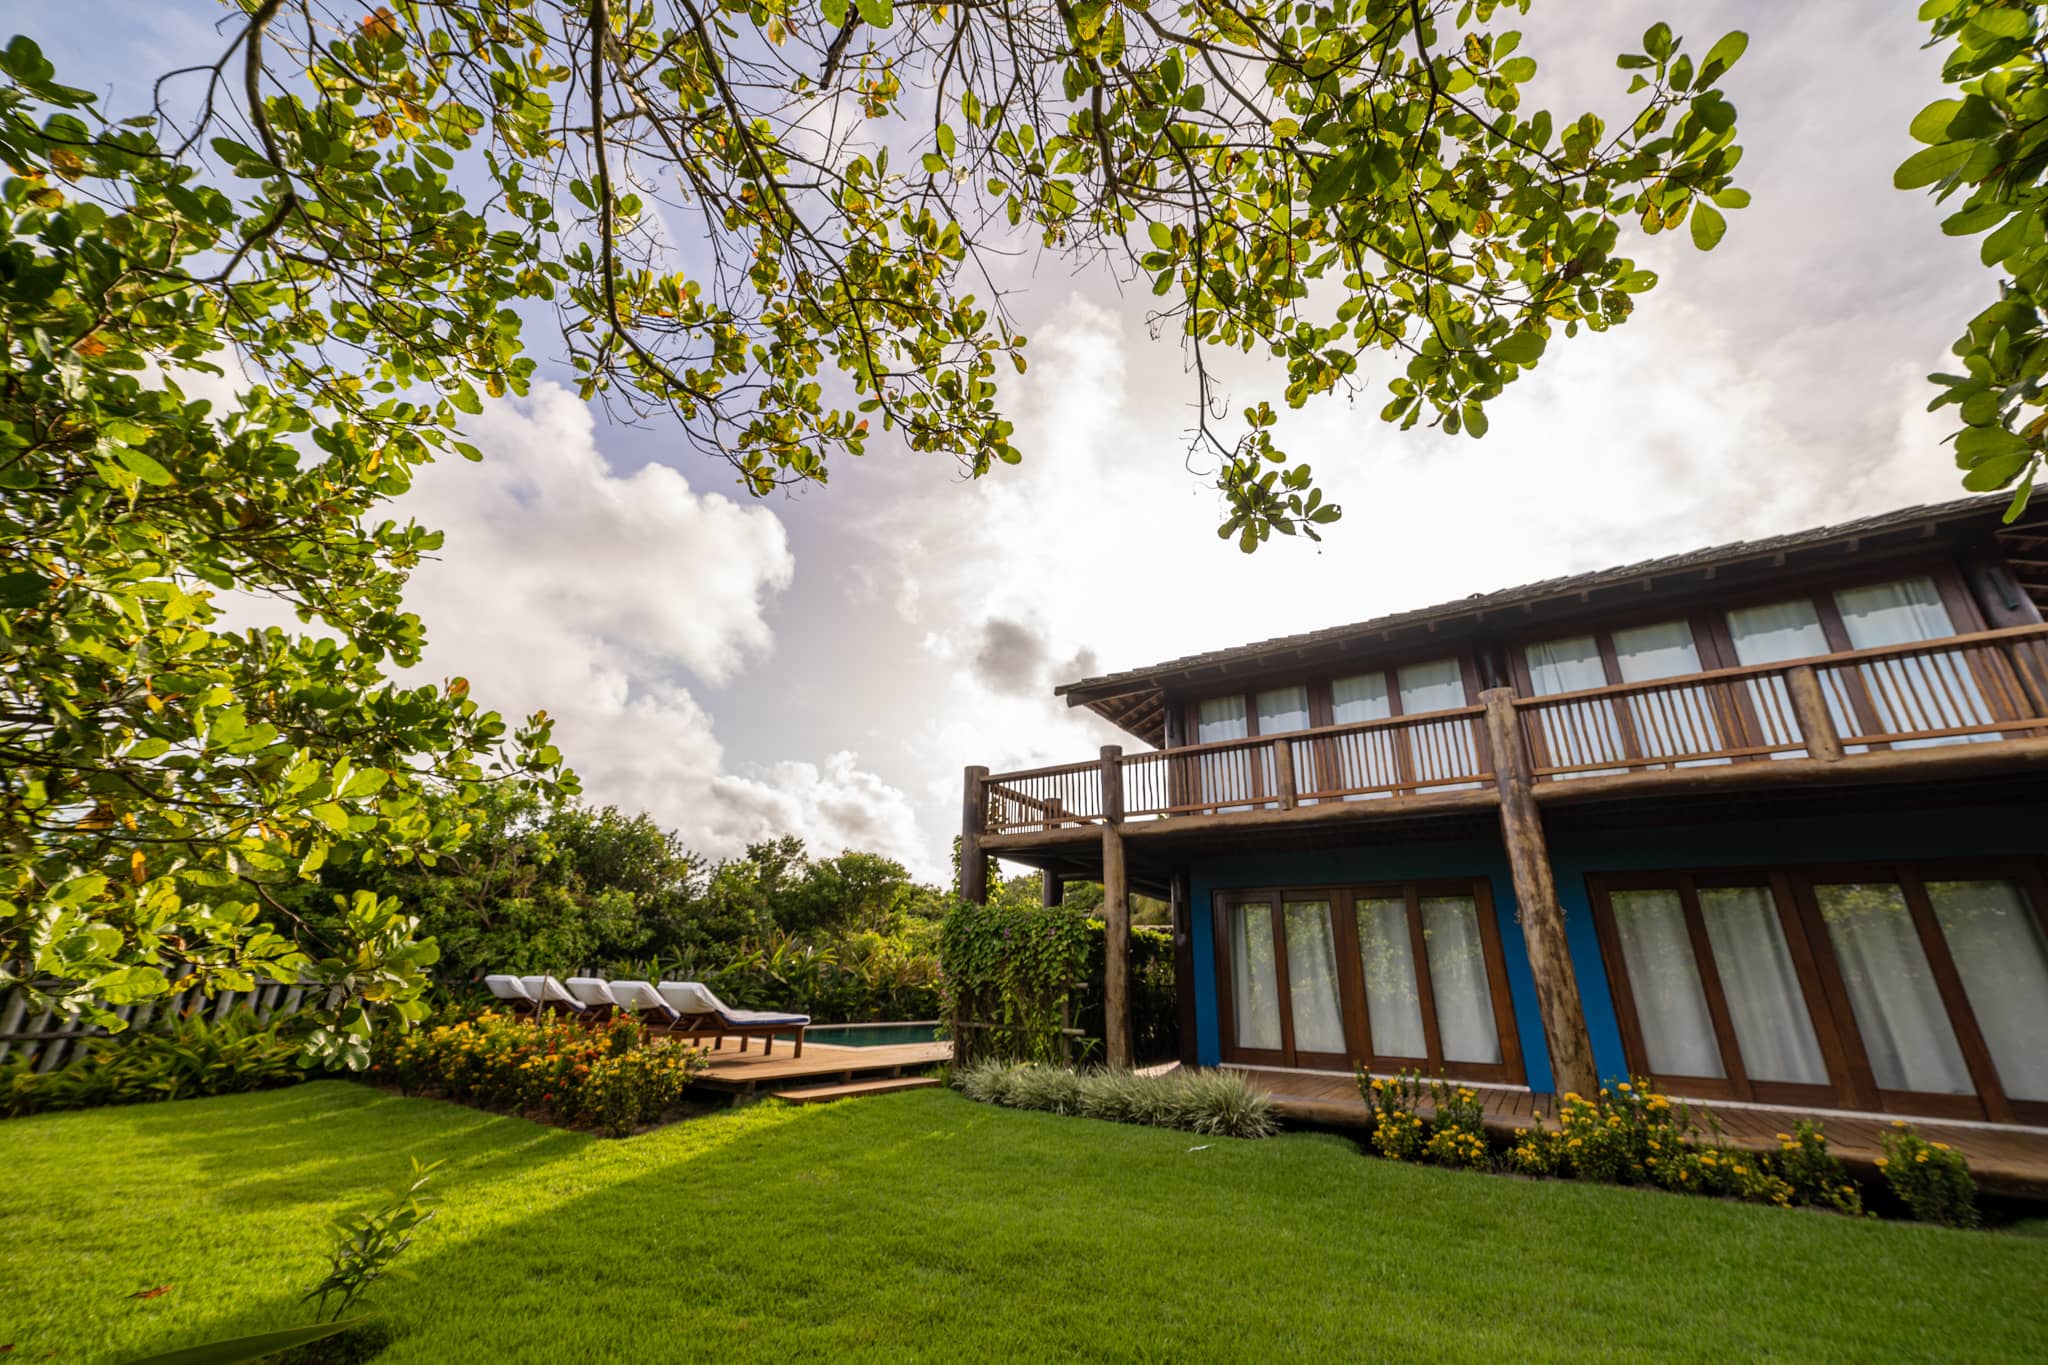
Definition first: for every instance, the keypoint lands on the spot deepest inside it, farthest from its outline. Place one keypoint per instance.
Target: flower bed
(1629, 1134)
(612, 1076)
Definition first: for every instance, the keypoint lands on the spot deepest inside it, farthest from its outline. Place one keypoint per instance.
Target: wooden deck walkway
(2004, 1158)
(736, 1072)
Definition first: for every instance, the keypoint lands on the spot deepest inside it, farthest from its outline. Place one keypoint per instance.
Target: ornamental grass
(1212, 1103)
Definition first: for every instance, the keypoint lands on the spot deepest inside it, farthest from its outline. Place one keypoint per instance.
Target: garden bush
(192, 1057)
(1931, 1179)
(610, 1075)
(1212, 1103)
(1626, 1135)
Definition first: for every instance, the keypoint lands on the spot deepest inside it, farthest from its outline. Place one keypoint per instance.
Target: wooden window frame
(1852, 1083)
(1342, 899)
(1735, 1083)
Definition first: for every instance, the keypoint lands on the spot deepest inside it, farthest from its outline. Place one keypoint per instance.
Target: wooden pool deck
(2005, 1158)
(823, 1064)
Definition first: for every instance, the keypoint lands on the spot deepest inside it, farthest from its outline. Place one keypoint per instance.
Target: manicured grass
(922, 1226)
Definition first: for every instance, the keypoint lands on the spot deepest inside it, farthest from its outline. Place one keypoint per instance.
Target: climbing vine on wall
(1013, 977)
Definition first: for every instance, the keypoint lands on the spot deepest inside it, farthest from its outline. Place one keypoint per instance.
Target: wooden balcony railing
(1966, 689)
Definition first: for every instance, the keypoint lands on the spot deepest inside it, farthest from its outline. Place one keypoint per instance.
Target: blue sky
(825, 663)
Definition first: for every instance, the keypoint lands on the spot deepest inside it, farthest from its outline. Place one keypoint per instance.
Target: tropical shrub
(1814, 1173)
(1457, 1128)
(1397, 1132)
(611, 1075)
(1213, 1103)
(192, 1057)
(1931, 1179)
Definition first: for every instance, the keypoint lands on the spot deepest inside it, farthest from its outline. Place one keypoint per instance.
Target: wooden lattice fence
(46, 1038)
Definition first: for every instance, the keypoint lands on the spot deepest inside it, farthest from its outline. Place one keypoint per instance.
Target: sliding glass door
(1917, 988)
(1390, 977)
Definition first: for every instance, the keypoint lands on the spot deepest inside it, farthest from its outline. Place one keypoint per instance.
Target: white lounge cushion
(688, 997)
(638, 995)
(509, 988)
(693, 997)
(591, 990)
(549, 991)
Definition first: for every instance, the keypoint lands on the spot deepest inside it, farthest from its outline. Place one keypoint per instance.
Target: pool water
(873, 1035)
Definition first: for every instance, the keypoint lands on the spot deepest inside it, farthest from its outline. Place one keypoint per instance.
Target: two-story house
(1765, 821)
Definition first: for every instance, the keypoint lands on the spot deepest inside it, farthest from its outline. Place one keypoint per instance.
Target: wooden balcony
(1961, 704)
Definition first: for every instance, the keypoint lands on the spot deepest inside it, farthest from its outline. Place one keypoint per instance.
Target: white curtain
(1773, 634)
(1671, 1004)
(1765, 1003)
(1457, 980)
(1225, 776)
(1898, 1008)
(1281, 710)
(1254, 976)
(1367, 759)
(1312, 978)
(1445, 749)
(1995, 940)
(1675, 723)
(1386, 951)
(1926, 692)
(1582, 732)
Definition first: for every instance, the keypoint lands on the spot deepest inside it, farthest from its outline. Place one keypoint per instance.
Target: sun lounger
(512, 991)
(548, 993)
(595, 992)
(642, 999)
(705, 1015)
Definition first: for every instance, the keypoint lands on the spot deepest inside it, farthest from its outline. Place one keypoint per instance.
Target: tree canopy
(1989, 145)
(239, 316)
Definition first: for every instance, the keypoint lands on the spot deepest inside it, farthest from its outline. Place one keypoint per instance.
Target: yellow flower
(1898, 1123)
(1784, 1137)
(1625, 1087)
(1941, 1146)
(1920, 1156)
(1883, 1162)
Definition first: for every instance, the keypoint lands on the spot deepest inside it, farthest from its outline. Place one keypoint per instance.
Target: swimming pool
(873, 1035)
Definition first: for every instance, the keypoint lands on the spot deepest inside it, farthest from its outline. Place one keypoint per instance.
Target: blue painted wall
(1940, 832)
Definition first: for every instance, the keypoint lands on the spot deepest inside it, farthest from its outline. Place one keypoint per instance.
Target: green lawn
(920, 1225)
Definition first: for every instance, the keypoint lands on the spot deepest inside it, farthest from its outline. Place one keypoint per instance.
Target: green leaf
(332, 815)
(1518, 70)
(22, 589)
(1333, 179)
(1707, 225)
(1930, 125)
(1727, 52)
(144, 465)
(233, 1350)
(944, 136)
(834, 12)
(1657, 41)
(1930, 164)
(465, 398)
(1996, 473)
(1975, 445)
(1732, 198)
(878, 13)
(1523, 348)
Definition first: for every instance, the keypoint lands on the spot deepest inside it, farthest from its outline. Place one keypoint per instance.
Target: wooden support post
(1177, 895)
(1283, 771)
(1051, 890)
(974, 824)
(1816, 725)
(1116, 915)
(1572, 1068)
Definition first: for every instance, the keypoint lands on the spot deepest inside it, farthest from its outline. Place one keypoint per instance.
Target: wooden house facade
(1766, 822)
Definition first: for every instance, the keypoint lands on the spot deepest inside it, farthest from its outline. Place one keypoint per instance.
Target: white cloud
(568, 586)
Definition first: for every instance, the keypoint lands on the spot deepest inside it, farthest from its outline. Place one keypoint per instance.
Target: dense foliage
(1015, 976)
(162, 775)
(1989, 145)
(617, 1077)
(1213, 1103)
(190, 1057)
(1931, 1179)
